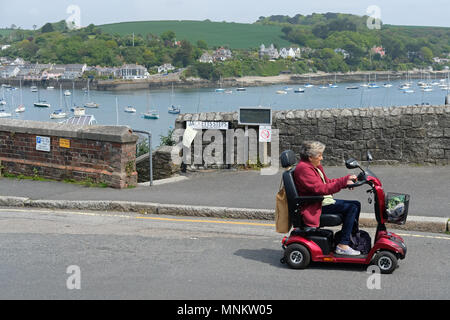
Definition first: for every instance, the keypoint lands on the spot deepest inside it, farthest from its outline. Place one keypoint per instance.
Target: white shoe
(348, 252)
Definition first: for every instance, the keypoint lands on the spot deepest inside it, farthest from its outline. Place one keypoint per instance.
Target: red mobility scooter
(306, 244)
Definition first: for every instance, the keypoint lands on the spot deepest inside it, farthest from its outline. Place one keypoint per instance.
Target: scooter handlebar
(356, 184)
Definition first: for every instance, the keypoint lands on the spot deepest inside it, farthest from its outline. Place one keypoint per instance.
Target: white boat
(20, 109)
(130, 109)
(152, 114)
(174, 110)
(228, 91)
(42, 104)
(4, 114)
(281, 92)
(50, 88)
(220, 90)
(79, 111)
(67, 93)
(408, 91)
(241, 89)
(308, 85)
(90, 104)
(34, 89)
(2, 102)
(58, 114)
(387, 85)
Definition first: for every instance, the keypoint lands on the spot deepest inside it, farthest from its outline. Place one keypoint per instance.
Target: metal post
(149, 135)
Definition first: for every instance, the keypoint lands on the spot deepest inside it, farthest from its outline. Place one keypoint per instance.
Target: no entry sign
(265, 133)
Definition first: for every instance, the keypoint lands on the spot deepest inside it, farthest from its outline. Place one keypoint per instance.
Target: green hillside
(233, 35)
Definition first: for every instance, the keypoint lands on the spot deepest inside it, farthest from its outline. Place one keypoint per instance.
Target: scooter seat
(330, 220)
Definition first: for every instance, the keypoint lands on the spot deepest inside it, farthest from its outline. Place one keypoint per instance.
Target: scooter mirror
(369, 156)
(351, 163)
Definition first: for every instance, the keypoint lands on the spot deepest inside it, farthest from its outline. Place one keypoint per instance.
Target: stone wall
(408, 135)
(163, 167)
(101, 154)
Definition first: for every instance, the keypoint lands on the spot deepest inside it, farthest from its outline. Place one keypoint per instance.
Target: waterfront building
(132, 72)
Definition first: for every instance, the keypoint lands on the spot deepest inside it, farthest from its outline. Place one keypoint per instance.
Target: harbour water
(278, 97)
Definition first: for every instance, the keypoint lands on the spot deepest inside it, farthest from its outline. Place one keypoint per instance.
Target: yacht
(152, 114)
(4, 114)
(20, 109)
(299, 90)
(58, 114)
(130, 109)
(174, 110)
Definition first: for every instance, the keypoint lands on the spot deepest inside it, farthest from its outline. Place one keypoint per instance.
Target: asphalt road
(125, 256)
(428, 187)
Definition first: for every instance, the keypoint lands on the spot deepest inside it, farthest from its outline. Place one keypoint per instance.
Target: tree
(183, 55)
(202, 44)
(168, 36)
(47, 28)
(426, 54)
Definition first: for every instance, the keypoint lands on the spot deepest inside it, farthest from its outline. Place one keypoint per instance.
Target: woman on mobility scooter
(311, 180)
(305, 194)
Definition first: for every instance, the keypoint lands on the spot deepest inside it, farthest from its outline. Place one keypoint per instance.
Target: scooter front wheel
(297, 256)
(386, 261)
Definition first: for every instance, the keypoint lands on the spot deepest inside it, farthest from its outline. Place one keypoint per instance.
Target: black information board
(255, 116)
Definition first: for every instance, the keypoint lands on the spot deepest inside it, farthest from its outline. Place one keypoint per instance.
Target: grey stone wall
(163, 167)
(408, 135)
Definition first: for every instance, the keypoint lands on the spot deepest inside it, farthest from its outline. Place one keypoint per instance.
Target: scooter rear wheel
(297, 256)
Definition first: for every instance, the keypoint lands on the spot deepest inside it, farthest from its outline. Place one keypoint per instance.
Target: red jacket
(309, 183)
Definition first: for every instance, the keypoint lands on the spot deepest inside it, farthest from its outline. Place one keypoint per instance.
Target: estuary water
(193, 100)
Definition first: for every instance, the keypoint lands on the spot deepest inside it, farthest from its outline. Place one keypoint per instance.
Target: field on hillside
(233, 35)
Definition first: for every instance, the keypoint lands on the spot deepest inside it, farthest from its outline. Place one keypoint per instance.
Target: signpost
(257, 116)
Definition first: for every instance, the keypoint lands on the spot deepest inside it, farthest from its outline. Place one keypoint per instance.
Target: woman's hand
(351, 180)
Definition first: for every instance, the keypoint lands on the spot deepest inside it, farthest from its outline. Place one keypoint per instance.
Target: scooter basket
(397, 207)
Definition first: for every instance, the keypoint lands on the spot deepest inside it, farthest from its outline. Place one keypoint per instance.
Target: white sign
(265, 134)
(188, 136)
(207, 125)
(43, 143)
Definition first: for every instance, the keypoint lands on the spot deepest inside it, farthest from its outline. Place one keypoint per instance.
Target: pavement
(239, 194)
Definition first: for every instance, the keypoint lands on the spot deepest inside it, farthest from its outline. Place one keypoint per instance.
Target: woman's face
(315, 161)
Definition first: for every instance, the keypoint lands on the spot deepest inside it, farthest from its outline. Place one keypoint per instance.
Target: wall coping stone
(119, 134)
(324, 113)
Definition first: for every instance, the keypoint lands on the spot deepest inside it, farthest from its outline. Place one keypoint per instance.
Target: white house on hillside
(166, 68)
(133, 71)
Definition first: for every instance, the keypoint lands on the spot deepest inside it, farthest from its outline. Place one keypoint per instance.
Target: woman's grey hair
(311, 149)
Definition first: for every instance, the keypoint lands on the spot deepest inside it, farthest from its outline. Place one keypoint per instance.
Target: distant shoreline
(256, 81)
(166, 82)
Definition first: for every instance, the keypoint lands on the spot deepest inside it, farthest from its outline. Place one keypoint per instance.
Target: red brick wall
(113, 163)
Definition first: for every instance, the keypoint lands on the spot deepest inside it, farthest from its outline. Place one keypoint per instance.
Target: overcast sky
(26, 13)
